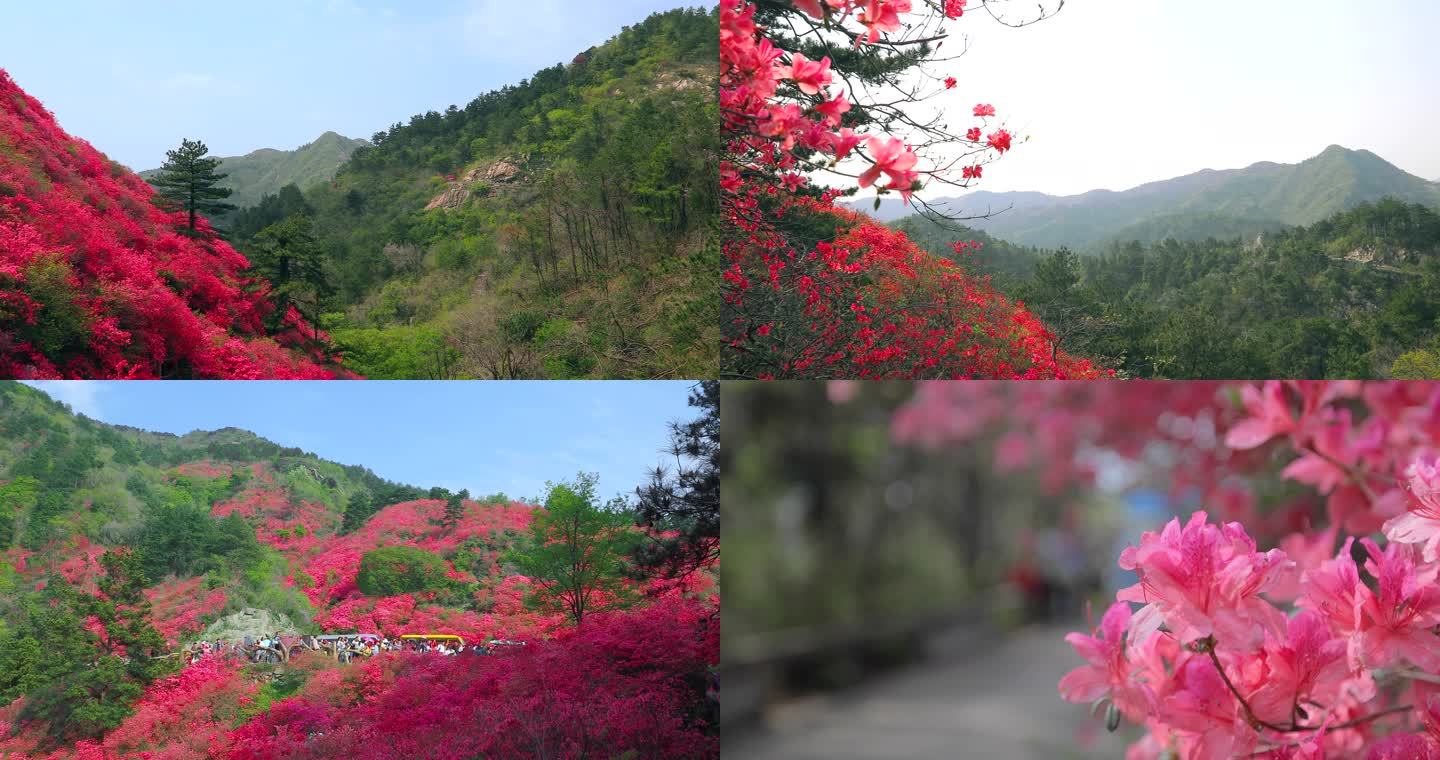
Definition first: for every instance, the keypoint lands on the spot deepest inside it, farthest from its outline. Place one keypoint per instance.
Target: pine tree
(455, 509)
(190, 181)
(357, 511)
(683, 507)
(288, 255)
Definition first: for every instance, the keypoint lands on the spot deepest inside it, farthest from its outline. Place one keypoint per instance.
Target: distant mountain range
(263, 172)
(1224, 204)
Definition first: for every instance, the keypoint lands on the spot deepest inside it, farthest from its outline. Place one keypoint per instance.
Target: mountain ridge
(1261, 195)
(264, 171)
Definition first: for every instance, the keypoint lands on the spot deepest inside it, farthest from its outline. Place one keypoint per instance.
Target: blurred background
(902, 563)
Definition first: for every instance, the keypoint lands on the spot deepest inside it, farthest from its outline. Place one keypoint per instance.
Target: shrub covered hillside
(97, 282)
(562, 227)
(121, 549)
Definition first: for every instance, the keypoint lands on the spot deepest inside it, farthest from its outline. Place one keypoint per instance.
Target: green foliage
(393, 353)
(454, 509)
(288, 202)
(288, 256)
(77, 685)
(582, 198)
(578, 553)
(1420, 364)
(1344, 298)
(16, 498)
(60, 327)
(392, 570)
(179, 536)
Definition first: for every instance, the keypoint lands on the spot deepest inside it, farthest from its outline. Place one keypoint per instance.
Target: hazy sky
(134, 78)
(484, 436)
(1114, 93)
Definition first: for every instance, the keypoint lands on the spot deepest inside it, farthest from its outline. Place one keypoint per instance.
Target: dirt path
(1001, 703)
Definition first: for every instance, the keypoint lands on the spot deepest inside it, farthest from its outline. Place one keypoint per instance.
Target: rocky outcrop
(502, 171)
(453, 196)
(253, 622)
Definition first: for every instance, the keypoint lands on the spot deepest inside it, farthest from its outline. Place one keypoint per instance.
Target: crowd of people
(277, 647)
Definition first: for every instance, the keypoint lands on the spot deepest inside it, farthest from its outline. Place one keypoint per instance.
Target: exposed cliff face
(502, 171)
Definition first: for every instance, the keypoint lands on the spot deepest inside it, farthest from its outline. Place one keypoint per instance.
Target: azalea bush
(96, 281)
(811, 290)
(1298, 614)
(628, 684)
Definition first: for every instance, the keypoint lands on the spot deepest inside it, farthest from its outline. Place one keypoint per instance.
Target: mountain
(263, 172)
(560, 227)
(1226, 203)
(97, 282)
(231, 532)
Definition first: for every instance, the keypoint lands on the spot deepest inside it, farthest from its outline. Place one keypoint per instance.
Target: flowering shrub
(95, 281)
(181, 608)
(187, 715)
(1326, 643)
(628, 682)
(870, 304)
(811, 290)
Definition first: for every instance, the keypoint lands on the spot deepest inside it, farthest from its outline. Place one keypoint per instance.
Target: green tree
(577, 560)
(81, 683)
(189, 180)
(455, 509)
(392, 570)
(1418, 364)
(357, 511)
(288, 256)
(682, 508)
(16, 498)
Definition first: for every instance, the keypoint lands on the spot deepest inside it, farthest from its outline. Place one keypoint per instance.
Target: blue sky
(134, 78)
(484, 436)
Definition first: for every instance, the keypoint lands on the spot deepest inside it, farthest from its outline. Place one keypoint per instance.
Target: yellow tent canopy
(433, 637)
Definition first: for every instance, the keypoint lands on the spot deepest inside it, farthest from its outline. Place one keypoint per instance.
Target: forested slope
(560, 227)
(1354, 295)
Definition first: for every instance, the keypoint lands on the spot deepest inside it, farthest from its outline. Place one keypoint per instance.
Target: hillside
(96, 282)
(561, 227)
(1209, 203)
(263, 172)
(227, 527)
(1354, 295)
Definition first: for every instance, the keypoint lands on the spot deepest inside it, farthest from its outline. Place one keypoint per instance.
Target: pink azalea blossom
(1270, 416)
(1108, 671)
(893, 157)
(881, 16)
(1203, 579)
(1305, 665)
(1421, 523)
(808, 75)
(833, 109)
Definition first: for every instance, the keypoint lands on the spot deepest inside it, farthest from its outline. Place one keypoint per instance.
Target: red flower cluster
(181, 608)
(95, 281)
(869, 304)
(632, 683)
